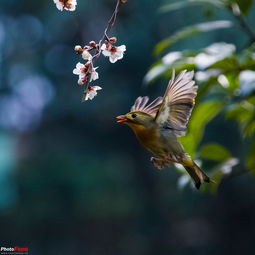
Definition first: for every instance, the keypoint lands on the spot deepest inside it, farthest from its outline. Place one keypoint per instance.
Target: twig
(245, 27)
(104, 38)
(235, 10)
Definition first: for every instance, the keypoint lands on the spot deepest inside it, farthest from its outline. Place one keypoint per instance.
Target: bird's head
(135, 118)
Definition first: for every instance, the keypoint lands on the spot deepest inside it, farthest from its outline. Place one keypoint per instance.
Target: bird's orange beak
(122, 118)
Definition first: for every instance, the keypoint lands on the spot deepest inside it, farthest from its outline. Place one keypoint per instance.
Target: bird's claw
(159, 163)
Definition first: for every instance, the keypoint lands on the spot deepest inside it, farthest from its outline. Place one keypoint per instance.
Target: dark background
(72, 181)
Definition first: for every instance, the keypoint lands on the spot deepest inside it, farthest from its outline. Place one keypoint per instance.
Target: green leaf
(227, 64)
(215, 152)
(244, 113)
(244, 5)
(183, 4)
(205, 87)
(202, 114)
(233, 80)
(191, 31)
(247, 62)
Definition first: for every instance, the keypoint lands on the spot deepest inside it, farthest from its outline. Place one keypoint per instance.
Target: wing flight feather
(178, 103)
(142, 106)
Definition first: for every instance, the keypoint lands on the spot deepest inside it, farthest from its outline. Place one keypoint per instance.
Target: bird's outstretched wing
(178, 103)
(141, 104)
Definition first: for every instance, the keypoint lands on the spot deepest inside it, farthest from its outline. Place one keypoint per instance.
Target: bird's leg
(160, 163)
(157, 162)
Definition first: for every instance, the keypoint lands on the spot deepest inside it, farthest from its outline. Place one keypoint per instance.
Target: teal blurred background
(72, 181)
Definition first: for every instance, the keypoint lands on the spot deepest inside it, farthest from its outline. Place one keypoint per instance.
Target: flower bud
(113, 40)
(87, 65)
(78, 49)
(93, 44)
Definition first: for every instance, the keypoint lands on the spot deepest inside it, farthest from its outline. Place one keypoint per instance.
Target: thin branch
(236, 12)
(245, 27)
(104, 38)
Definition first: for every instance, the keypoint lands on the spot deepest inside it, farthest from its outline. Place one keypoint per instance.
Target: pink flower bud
(93, 44)
(113, 40)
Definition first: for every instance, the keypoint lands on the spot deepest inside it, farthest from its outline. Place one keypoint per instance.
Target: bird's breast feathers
(150, 138)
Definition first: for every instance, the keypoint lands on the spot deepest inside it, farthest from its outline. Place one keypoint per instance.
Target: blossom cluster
(87, 72)
(69, 5)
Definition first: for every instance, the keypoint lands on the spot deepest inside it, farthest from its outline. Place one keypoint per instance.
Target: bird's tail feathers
(196, 173)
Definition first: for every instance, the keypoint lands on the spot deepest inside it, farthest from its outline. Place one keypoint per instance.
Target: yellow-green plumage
(157, 125)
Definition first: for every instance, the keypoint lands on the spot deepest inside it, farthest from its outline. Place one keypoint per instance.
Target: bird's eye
(133, 115)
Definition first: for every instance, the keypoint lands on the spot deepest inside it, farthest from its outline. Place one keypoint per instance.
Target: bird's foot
(160, 163)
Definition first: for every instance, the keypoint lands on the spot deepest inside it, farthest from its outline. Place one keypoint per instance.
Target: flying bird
(158, 124)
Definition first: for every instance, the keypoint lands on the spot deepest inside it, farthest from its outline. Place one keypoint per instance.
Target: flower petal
(86, 55)
(106, 53)
(103, 47)
(122, 48)
(96, 88)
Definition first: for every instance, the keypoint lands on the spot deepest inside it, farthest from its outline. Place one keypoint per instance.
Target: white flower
(71, 5)
(68, 5)
(83, 72)
(92, 92)
(80, 70)
(59, 5)
(86, 55)
(94, 75)
(113, 52)
(82, 80)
